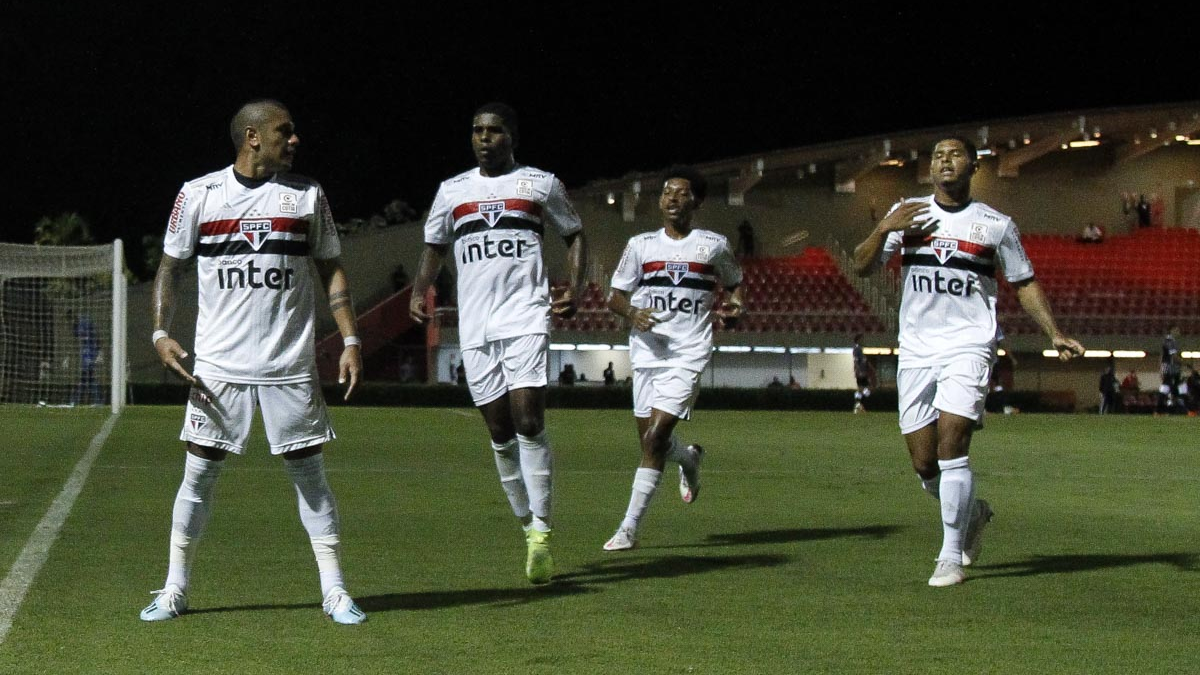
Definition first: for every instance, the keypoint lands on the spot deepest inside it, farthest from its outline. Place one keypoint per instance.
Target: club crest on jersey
(944, 249)
(676, 270)
(491, 212)
(524, 187)
(255, 231)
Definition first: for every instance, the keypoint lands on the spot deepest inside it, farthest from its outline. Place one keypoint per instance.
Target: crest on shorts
(197, 421)
(255, 231)
(491, 212)
(944, 249)
(676, 270)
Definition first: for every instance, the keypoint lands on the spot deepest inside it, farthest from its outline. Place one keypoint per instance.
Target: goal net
(62, 325)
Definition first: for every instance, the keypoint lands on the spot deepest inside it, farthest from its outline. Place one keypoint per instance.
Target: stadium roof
(1131, 131)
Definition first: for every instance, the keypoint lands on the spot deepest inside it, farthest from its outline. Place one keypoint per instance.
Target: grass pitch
(808, 551)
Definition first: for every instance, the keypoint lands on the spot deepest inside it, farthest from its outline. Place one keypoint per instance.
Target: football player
(951, 250)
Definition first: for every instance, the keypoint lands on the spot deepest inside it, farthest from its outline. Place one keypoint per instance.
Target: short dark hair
(695, 179)
(972, 151)
(505, 112)
(251, 114)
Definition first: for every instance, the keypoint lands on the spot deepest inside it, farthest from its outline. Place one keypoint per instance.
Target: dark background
(108, 109)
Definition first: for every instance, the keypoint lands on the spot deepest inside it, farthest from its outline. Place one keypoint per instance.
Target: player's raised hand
(170, 353)
(350, 368)
(1068, 348)
(562, 302)
(909, 215)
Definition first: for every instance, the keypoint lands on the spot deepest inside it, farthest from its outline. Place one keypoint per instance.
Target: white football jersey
(254, 249)
(948, 306)
(678, 278)
(497, 224)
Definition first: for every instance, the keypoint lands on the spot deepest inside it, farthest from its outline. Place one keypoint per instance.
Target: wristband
(157, 335)
(352, 341)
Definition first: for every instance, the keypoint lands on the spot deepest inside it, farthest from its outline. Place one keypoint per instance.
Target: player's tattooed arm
(337, 288)
(162, 305)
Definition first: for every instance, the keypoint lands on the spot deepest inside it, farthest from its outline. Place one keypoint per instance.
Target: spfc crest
(491, 212)
(197, 420)
(944, 249)
(676, 270)
(256, 231)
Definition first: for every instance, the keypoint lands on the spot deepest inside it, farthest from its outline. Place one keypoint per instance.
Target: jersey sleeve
(559, 210)
(727, 266)
(183, 227)
(439, 226)
(1012, 257)
(628, 274)
(324, 243)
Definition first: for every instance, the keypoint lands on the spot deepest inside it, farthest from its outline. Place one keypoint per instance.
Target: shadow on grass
(585, 579)
(790, 536)
(1066, 564)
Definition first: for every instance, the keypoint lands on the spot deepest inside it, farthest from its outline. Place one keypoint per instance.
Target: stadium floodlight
(593, 347)
(62, 325)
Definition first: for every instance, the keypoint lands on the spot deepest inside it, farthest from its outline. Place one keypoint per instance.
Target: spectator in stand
(1142, 208)
(1092, 234)
(610, 378)
(792, 383)
(567, 376)
(1109, 391)
(745, 245)
(775, 383)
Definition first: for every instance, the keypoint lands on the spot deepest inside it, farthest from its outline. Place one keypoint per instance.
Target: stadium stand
(1136, 284)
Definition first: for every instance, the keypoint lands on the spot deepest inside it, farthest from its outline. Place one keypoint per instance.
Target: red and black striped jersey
(253, 246)
(948, 273)
(678, 278)
(496, 224)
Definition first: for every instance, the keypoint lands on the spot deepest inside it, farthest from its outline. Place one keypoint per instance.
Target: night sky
(108, 113)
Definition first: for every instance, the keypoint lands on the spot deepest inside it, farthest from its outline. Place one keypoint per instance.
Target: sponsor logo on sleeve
(177, 212)
(944, 249)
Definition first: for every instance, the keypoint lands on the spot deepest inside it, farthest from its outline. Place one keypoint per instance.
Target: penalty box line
(37, 549)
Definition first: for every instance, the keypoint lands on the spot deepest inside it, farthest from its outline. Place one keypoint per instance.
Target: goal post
(63, 325)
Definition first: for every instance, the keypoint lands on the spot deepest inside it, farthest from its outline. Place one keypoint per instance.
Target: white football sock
(645, 482)
(193, 504)
(958, 490)
(508, 465)
(318, 513)
(537, 468)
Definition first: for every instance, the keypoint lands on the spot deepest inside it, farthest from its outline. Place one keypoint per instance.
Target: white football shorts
(959, 388)
(671, 390)
(294, 415)
(508, 363)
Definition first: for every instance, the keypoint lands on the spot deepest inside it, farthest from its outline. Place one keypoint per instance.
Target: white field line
(37, 549)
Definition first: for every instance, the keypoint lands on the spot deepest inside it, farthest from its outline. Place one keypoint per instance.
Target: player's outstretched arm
(341, 306)
(908, 215)
(427, 271)
(1033, 300)
(162, 304)
(642, 318)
